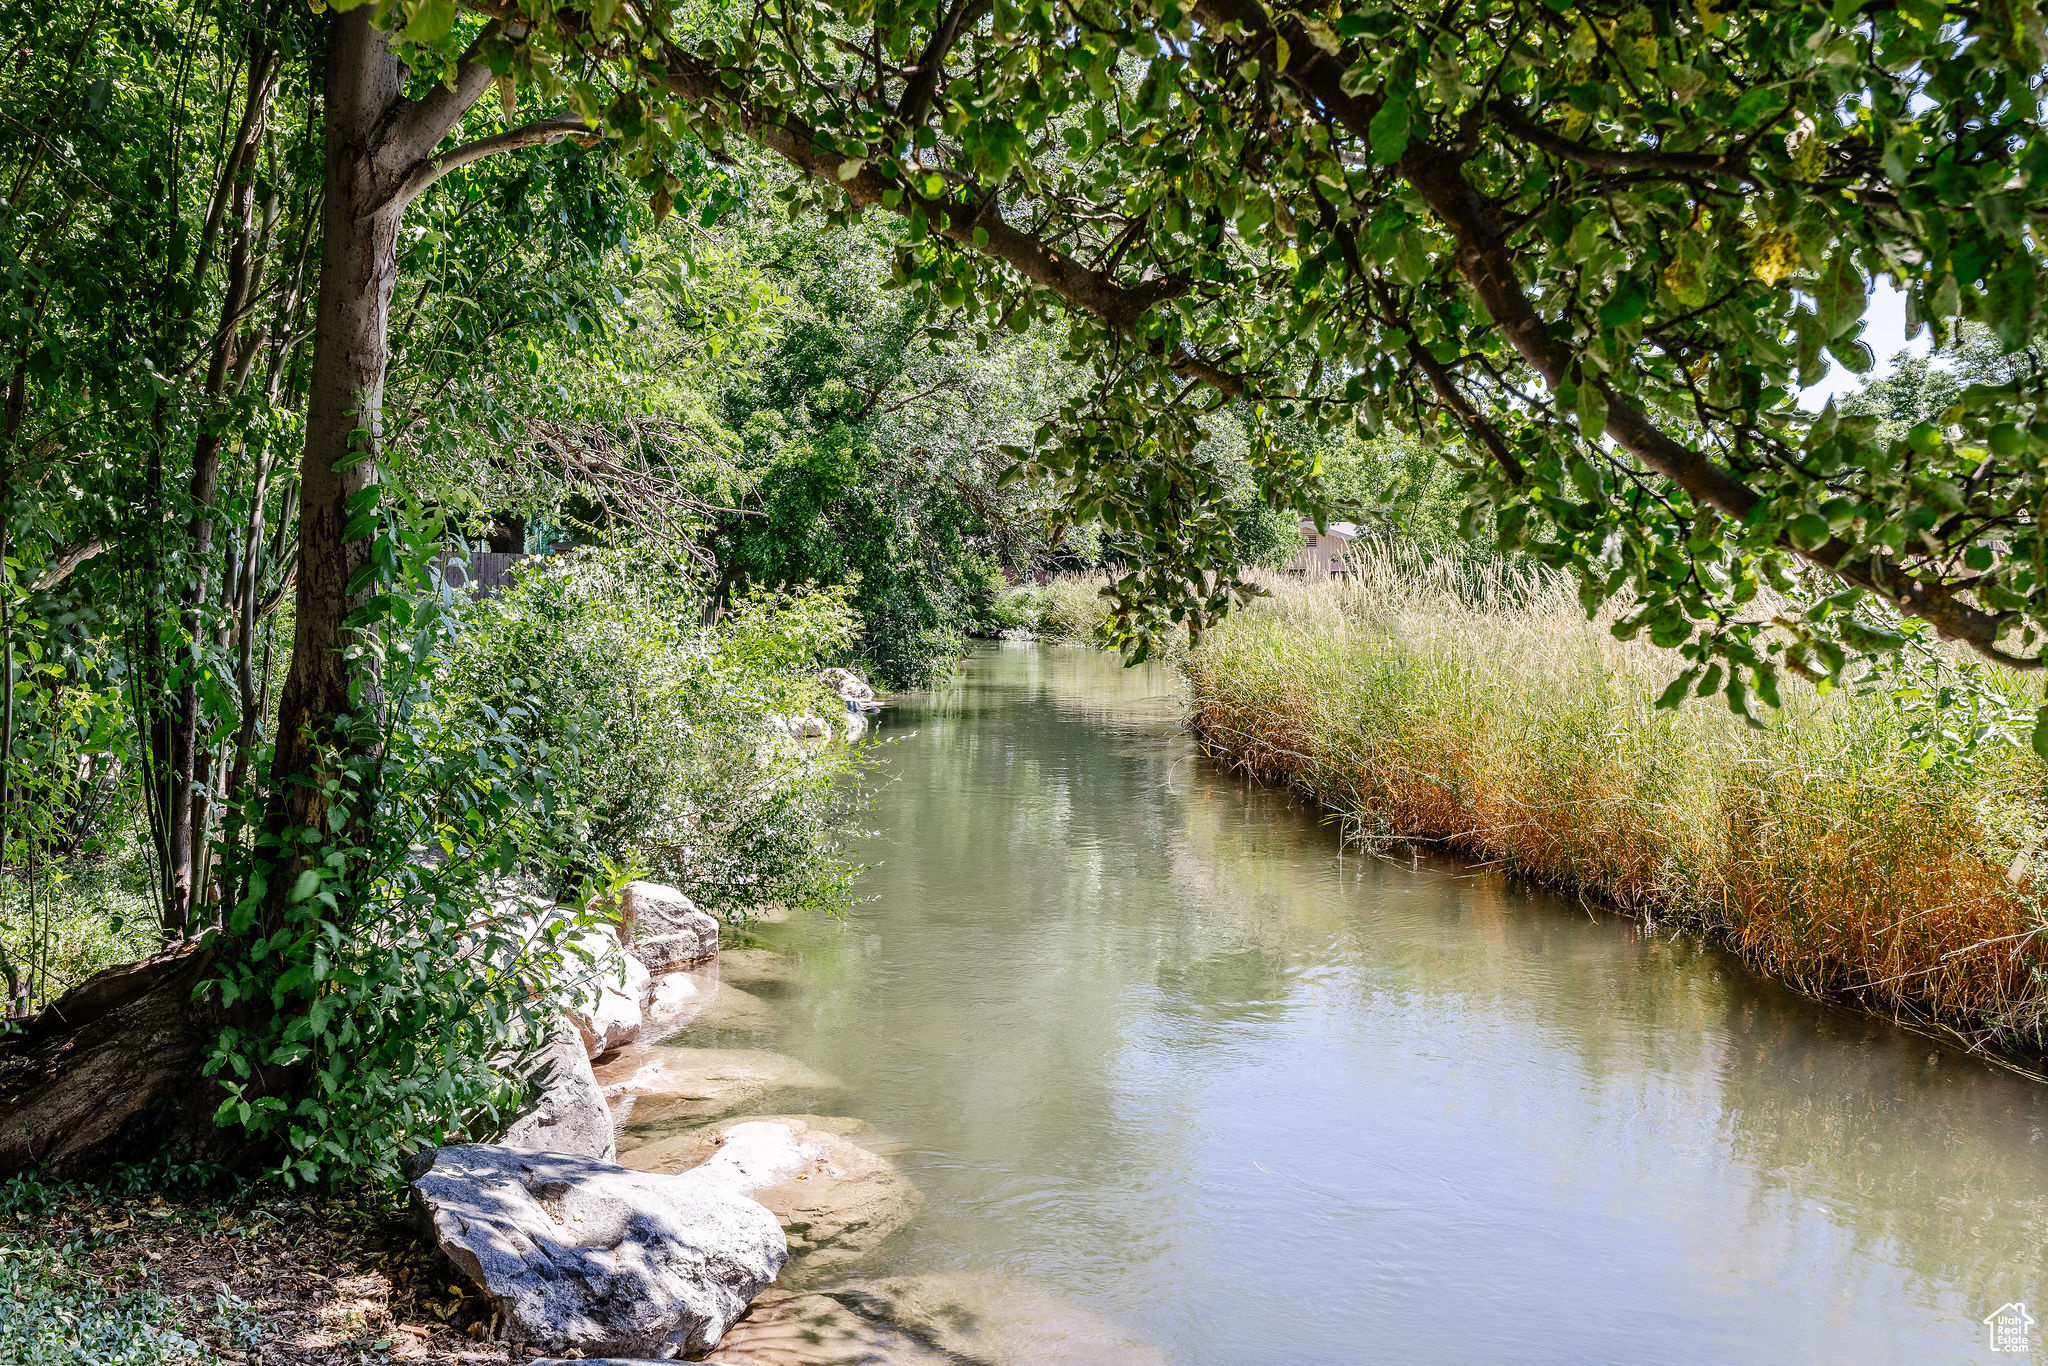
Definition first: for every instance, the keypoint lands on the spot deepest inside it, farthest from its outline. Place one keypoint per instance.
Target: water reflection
(1153, 1042)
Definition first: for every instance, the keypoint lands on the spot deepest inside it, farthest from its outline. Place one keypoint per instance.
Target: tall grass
(1476, 707)
(1068, 610)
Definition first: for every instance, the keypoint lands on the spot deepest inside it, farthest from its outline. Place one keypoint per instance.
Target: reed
(1474, 706)
(1067, 610)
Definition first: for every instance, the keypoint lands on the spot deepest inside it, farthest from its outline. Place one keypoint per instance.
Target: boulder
(669, 1085)
(565, 1110)
(850, 688)
(789, 1329)
(697, 1000)
(754, 969)
(664, 928)
(663, 952)
(926, 1320)
(836, 1198)
(604, 1002)
(581, 1256)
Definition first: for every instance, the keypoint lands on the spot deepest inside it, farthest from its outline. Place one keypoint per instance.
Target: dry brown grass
(1479, 709)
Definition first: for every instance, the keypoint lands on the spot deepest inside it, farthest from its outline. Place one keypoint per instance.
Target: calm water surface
(1154, 1042)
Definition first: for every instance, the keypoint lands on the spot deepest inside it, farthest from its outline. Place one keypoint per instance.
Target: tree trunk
(127, 1046)
(122, 1048)
(358, 269)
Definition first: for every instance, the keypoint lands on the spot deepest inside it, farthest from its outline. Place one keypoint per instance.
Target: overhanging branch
(1488, 265)
(538, 133)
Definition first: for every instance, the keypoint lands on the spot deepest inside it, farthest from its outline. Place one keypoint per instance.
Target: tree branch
(416, 127)
(931, 62)
(1488, 265)
(1510, 117)
(64, 561)
(535, 134)
(955, 217)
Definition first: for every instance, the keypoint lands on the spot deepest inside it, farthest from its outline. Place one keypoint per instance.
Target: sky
(1884, 332)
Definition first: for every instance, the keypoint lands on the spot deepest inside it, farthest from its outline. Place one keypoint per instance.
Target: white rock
(582, 1256)
(565, 1110)
(664, 928)
(604, 1001)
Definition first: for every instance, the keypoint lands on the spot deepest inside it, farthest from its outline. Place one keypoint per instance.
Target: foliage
(54, 1311)
(1399, 487)
(394, 979)
(1847, 849)
(1920, 389)
(1070, 609)
(865, 455)
(1603, 246)
(45, 1323)
(669, 741)
(1265, 538)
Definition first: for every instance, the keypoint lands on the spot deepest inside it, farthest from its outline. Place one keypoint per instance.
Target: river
(1152, 1040)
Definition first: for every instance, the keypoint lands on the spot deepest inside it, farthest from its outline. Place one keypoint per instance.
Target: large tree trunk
(358, 268)
(119, 1052)
(121, 1055)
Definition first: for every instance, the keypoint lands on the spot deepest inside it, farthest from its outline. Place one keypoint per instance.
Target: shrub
(1072, 610)
(386, 984)
(1015, 609)
(666, 736)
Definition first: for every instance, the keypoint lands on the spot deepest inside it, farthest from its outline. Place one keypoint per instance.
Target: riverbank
(1481, 711)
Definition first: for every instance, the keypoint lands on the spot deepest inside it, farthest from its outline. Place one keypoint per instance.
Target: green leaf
(1592, 410)
(2009, 296)
(1625, 305)
(1840, 293)
(1753, 106)
(1767, 685)
(431, 21)
(1389, 131)
(1809, 530)
(1509, 524)
(1675, 691)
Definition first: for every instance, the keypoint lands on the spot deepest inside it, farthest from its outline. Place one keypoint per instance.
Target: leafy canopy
(1601, 245)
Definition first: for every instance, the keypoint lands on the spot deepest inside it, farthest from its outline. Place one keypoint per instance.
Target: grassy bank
(1480, 710)
(1069, 610)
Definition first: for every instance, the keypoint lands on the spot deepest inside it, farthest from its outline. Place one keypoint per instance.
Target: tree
(126, 1046)
(864, 447)
(1600, 244)
(1603, 244)
(1921, 388)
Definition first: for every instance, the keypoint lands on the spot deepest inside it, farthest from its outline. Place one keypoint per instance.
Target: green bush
(1014, 610)
(670, 740)
(388, 982)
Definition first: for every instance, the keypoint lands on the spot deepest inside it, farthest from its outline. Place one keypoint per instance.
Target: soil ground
(315, 1282)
